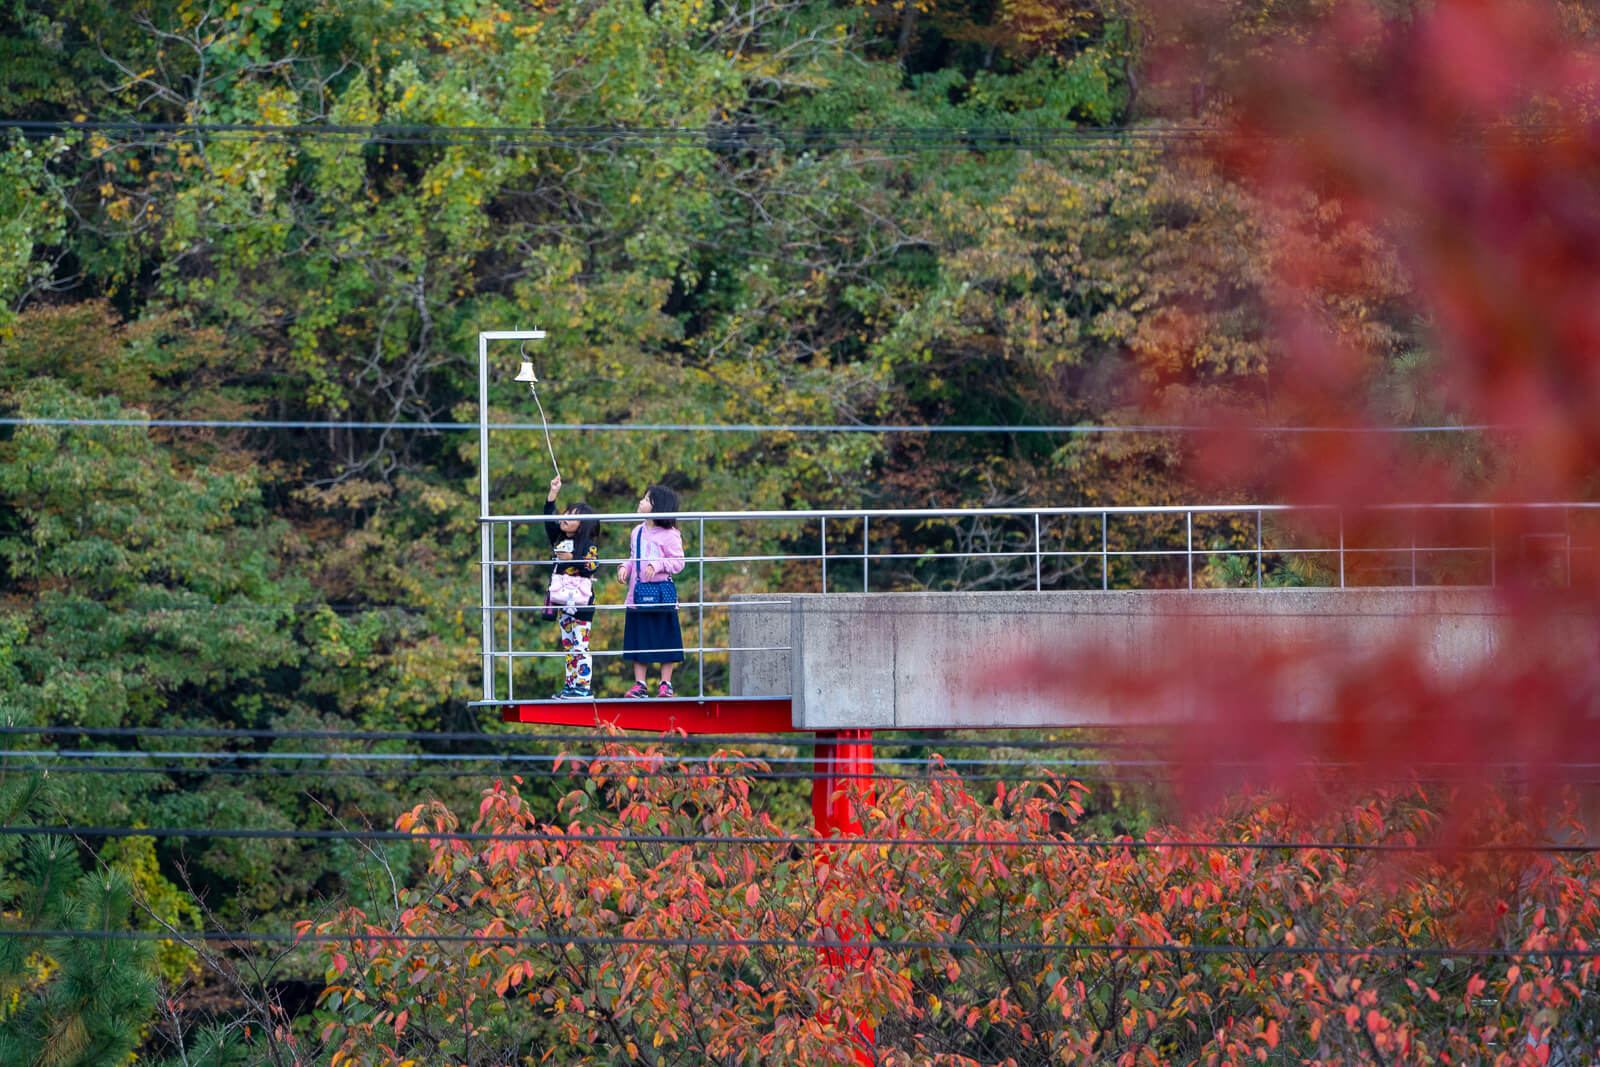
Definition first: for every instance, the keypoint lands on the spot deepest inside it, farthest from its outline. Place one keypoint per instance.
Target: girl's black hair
(588, 528)
(662, 499)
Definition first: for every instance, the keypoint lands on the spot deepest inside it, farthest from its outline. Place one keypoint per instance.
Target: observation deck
(846, 620)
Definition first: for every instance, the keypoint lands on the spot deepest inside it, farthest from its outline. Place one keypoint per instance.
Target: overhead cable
(513, 758)
(593, 738)
(509, 759)
(566, 774)
(726, 138)
(742, 427)
(579, 837)
(855, 944)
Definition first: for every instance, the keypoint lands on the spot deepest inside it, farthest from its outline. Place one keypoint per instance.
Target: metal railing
(1017, 548)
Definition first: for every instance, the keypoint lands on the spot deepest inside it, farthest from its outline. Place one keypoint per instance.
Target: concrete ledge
(927, 660)
(759, 622)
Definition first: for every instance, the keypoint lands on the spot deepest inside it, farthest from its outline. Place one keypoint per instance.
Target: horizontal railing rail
(1081, 509)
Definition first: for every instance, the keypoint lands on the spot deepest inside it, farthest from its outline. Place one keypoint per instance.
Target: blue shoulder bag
(660, 594)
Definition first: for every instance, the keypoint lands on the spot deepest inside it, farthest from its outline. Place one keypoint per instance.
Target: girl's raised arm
(552, 526)
(553, 529)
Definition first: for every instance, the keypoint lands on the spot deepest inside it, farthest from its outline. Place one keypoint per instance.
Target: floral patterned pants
(575, 643)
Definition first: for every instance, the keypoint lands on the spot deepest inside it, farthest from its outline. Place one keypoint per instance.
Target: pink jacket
(660, 545)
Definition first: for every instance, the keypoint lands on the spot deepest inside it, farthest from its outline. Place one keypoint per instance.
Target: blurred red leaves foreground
(1031, 943)
(1464, 138)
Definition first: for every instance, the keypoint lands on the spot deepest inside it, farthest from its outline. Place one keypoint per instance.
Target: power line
(440, 736)
(815, 943)
(936, 761)
(641, 132)
(719, 139)
(578, 770)
(508, 759)
(516, 759)
(385, 773)
(578, 837)
(917, 739)
(725, 138)
(744, 427)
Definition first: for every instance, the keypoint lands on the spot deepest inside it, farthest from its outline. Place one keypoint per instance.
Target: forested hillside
(699, 202)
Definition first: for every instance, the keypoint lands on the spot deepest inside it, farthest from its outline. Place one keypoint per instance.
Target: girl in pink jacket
(655, 554)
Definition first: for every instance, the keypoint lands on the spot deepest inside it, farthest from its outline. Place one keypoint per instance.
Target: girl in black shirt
(571, 599)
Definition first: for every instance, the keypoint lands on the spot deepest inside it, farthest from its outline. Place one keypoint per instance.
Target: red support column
(843, 767)
(843, 759)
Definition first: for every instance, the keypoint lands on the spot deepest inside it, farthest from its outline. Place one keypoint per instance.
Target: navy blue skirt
(652, 635)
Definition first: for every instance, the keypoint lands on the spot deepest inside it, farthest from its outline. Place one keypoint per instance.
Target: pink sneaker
(664, 690)
(638, 692)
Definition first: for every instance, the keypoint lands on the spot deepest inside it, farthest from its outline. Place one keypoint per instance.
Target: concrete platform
(929, 660)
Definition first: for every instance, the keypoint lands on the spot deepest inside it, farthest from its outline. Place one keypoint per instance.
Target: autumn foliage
(1030, 944)
(1454, 147)
(1450, 155)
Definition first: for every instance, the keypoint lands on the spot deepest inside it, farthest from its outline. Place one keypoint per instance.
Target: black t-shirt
(585, 561)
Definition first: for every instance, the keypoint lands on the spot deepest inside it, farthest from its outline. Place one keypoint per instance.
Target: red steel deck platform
(693, 715)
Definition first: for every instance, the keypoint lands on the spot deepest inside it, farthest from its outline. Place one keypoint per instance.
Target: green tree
(32, 223)
(66, 1000)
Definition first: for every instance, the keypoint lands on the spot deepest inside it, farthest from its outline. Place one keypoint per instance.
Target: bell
(526, 373)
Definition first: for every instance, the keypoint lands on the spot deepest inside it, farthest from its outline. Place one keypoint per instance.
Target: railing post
(1566, 528)
(1341, 548)
(1188, 548)
(824, 553)
(1105, 557)
(1413, 549)
(483, 511)
(1038, 556)
(511, 660)
(1492, 548)
(865, 559)
(486, 539)
(1258, 548)
(700, 621)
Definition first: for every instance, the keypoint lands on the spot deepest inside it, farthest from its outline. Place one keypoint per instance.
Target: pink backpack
(570, 591)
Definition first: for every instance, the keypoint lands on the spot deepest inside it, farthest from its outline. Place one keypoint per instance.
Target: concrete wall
(924, 660)
(759, 622)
